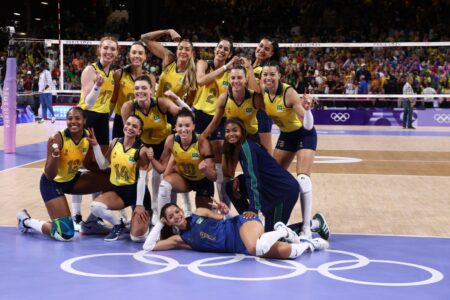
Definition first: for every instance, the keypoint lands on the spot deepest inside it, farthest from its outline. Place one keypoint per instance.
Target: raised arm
(218, 115)
(54, 145)
(115, 95)
(161, 165)
(156, 48)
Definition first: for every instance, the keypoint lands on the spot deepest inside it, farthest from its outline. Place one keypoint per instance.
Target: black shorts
(202, 121)
(203, 187)
(117, 127)
(157, 149)
(51, 189)
(100, 123)
(297, 140)
(128, 194)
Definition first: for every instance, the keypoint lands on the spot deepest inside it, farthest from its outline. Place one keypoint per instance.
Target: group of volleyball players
(191, 131)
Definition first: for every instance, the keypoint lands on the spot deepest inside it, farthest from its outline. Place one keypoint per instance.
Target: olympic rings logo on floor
(442, 118)
(340, 117)
(293, 268)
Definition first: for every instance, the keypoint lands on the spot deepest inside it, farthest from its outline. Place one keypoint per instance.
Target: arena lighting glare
(44, 3)
(37, 19)
(16, 14)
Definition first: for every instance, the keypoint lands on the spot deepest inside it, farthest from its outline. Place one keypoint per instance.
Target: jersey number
(187, 168)
(105, 97)
(121, 172)
(74, 165)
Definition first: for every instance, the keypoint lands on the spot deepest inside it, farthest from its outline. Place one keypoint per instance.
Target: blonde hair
(189, 80)
(107, 38)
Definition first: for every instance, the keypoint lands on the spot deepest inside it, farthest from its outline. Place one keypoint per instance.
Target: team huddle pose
(194, 129)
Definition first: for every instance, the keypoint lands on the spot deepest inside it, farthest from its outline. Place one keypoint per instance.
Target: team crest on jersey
(131, 159)
(199, 220)
(156, 118)
(112, 81)
(195, 156)
(248, 110)
(225, 83)
(279, 108)
(84, 150)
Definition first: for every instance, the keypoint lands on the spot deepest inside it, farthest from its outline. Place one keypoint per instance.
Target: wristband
(224, 67)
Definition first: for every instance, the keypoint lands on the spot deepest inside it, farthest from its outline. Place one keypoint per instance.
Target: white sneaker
(291, 237)
(53, 119)
(305, 234)
(21, 217)
(318, 244)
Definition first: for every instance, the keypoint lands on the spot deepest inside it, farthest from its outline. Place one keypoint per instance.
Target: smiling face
(223, 51)
(137, 55)
(184, 51)
(174, 216)
(132, 127)
(108, 51)
(233, 133)
(264, 50)
(184, 126)
(237, 79)
(75, 121)
(142, 91)
(270, 77)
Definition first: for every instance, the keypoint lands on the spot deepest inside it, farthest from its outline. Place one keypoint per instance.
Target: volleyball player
(178, 76)
(128, 160)
(154, 113)
(208, 231)
(213, 80)
(265, 50)
(124, 87)
(97, 86)
(191, 164)
(298, 137)
(67, 151)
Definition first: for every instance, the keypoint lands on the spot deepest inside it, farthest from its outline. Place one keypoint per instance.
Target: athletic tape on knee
(62, 229)
(305, 183)
(165, 188)
(100, 210)
(141, 238)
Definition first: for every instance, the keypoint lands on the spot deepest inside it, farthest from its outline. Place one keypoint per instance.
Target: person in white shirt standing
(408, 104)
(45, 88)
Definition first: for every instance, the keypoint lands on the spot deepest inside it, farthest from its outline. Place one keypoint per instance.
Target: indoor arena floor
(384, 191)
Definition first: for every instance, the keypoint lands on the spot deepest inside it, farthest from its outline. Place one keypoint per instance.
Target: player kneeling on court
(67, 151)
(128, 159)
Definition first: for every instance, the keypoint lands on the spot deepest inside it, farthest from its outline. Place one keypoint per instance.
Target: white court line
(19, 166)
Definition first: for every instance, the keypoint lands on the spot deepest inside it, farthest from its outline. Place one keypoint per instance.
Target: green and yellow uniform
(124, 163)
(285, 117)
(246, 111)
(187, 160)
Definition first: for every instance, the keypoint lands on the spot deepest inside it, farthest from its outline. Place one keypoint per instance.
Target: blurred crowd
(314, 70)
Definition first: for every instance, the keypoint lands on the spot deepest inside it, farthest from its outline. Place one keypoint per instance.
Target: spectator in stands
(45, 88)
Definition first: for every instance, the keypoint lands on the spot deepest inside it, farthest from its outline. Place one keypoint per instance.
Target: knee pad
(141, 238)
(62, 229)
(305, 183)
(97, 208)
(262, 247)
(165, 188)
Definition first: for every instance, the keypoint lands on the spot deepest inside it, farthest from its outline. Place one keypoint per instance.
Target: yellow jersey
(285, 117)
(101, 104)
(71, 155)
(187, 160)
(156, 128)
(246, 111)
(124, 163)
(170, 79)
(207, 95)
(126, 88)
